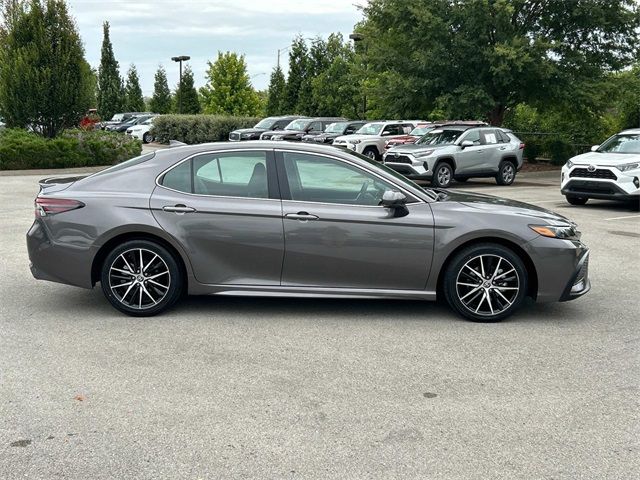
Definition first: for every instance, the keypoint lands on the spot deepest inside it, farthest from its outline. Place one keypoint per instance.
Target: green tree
(134, 101)
(276, 93)
(228, 89)
(317, 62)
(186, 98)
(44, 78)
(298, 57)
(110, 96)
(481, 58)
(161, 100)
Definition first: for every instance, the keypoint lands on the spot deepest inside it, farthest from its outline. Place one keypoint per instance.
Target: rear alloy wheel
(442, 175)
(147, 138)
(485, 283)
(506, 173)
(371, 153)
(576, 200)
(141, 278)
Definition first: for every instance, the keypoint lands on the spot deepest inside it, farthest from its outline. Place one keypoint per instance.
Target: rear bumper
(57, 262)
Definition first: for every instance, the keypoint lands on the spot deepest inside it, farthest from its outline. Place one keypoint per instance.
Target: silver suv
(459, 152)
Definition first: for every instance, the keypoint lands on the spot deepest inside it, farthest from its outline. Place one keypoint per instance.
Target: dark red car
(423, 128)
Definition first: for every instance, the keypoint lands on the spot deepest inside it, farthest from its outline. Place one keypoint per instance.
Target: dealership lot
(290, 388)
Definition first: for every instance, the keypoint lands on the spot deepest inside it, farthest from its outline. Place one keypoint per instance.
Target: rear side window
(503, 137)
(232, 174)
(490, 137)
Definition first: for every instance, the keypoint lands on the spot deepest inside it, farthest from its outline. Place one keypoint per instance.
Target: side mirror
(595, 147)
(396, 201)
(466, 143)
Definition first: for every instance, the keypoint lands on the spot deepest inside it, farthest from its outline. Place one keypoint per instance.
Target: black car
(269, 123)
(301, 127)
(333, 131)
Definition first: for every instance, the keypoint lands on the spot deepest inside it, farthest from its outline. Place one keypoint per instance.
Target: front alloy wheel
(141, 278)
(485, 283)
(442, 175)
(147, 138)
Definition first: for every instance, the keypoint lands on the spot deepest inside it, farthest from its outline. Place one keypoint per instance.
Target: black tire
(372, 153)
(573, 200)
(147, 137)
(506, 173)
(144, 287)
(498, 262)
(442, 175)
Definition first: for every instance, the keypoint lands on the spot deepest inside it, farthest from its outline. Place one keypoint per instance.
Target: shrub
(20, 149)
(559, 150)
(192, 129)
(531, 151)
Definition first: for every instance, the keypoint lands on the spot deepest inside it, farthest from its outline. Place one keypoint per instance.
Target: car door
(494, 149)
(470, 160)
(337, 235)
(224, 208)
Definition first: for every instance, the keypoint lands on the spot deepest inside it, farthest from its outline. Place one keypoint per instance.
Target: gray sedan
(276, 219)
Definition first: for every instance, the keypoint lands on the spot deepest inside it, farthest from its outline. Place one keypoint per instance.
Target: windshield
(298, 124)
(398, 176)
(336, 127)
(440, 137)
(370, 129)
(118, 117)
(266, 123)
(419, 131)
(627, 143)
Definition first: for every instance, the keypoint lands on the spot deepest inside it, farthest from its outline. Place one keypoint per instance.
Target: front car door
(470, 160)
(337, 235)
(224, 208)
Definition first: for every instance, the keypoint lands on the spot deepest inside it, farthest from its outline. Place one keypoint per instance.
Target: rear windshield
(127, 163)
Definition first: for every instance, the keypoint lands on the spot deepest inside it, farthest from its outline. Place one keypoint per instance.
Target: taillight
(50, 206)
(522, 146)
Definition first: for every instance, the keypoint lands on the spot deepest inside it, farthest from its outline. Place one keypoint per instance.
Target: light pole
(359, 37)
(282, 50)
(180, 59)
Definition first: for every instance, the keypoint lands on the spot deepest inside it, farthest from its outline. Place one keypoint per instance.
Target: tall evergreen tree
(110, 88)
(161, 100)
(186, 97)
(44, 78)
(316, 63)
(228, 89)
(275, 96)
(134, 101)
(298, 57)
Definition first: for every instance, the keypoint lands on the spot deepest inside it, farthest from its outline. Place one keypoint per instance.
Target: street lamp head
(182, 58)
(356, 37)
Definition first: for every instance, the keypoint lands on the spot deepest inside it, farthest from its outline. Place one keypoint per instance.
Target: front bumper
(579, 283)
(606, 183)
(408, 165)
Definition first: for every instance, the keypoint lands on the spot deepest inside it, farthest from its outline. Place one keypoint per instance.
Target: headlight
(565, 232)
(424, 154)
(355, 142)
(628, 166)
(569, 164)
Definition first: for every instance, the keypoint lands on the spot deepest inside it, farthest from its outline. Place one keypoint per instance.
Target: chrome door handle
(178, 209)
(301, 216)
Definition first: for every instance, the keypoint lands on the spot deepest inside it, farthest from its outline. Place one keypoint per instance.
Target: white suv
(611, 171)
(371, 137)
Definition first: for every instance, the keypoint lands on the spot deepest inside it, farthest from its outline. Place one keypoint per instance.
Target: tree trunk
(496, 115)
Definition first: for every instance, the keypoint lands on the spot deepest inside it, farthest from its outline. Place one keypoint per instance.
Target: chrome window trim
(404, 190)
(208, 152)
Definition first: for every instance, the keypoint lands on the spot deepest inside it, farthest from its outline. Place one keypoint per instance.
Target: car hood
(405, 138)
(349, 138)
(249, 130)
(504, 206)
(605, 159)
(415, 148)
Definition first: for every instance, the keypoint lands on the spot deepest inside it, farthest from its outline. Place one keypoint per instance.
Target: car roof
(631, 130)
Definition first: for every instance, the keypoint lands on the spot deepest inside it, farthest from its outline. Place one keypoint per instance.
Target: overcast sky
(149, 33)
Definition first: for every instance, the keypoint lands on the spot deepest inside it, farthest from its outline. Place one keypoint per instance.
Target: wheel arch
(446, 159)
(532, 273)
(117, 239)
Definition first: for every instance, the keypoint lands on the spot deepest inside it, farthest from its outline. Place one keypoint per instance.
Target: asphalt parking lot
(281, 388)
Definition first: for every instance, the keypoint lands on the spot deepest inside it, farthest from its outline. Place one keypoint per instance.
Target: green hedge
(20, 149)
(192, 129)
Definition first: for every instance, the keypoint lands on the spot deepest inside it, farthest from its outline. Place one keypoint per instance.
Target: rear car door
(494, 149)
(337, 235)
(224, 208)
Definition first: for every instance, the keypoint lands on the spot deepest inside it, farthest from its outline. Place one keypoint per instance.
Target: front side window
(297, 124)
(472, 136)
(231, 174)
(320, 179)
(315, 127)
(337, 127)
(393, 130)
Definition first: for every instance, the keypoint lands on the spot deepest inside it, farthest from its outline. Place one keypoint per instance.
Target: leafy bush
(20, 149)
(532, 150)
(192, 129)
(559, 150)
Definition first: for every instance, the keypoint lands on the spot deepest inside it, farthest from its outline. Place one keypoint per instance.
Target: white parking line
(622, 218)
